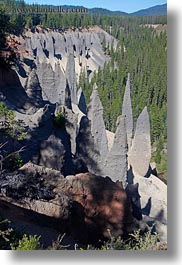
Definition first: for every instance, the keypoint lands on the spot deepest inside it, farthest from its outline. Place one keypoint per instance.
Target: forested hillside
(79, 171)
(141, 51)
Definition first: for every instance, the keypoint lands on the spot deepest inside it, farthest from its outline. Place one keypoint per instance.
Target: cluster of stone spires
(127, 151)
(131, 149)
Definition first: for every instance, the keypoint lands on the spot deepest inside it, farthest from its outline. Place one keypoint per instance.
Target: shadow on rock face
(100, 207)
(87, 157)
(134, 196)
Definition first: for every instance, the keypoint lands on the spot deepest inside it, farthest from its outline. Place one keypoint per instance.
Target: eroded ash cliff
(76, 172)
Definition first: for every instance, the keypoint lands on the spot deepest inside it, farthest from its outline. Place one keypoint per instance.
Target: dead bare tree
(3, 158)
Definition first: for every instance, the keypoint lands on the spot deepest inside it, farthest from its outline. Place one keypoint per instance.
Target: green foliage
(10, 126)
(9, 239)
(5, 233)
(11, 131)
(59, 120)
(148, 74)
(15, 161)
(160, 156)
(5, 29)
(157, 157)
(148, 241)
(28, 243)
(136, 241)
(162, 165)
(63, 21)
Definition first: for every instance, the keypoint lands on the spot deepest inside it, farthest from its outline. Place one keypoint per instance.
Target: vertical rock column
(127, 112)
(88, 158)
(98, 130)
(71, 77)
(116, 161)
(33, 88)
(60, 85)
(140, 153)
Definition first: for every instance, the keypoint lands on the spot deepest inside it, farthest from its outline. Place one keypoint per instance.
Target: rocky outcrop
(51, 176)
(8, 77)
(52, 153)
(116, 161)
(43, 115)
(67, 138)
(74, 51)
(140, 153)
(153, 198)
(98, 130)
(93, 206)
(104, 203)
(127, 112)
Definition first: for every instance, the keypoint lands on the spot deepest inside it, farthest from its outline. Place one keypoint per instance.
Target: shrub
(59, 120)
(5, 233)
(28, 243)
(57, 244)
(136, 241)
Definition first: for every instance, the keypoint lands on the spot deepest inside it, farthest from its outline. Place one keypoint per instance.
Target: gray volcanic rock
(71, 77)
(33, 88)
(67, 100)
(54, 46)
(36, 46)
(127, 112)
(52, 153)
(116, 161)
(98, 130)
(140, 153)
(51, 176)
(60, 85)
(90, 206)
(49, 44)
(47, 81)
(61, 55)
(81, 101)
(87, 155)
(43, 115)
(153, 199)
(52, 81)
(71, 120)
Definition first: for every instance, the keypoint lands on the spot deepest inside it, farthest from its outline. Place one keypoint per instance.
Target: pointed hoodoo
(98, 130)
(87, 156)
(33, 88)
(116, 161)
(140, 153)
(47, 81)
(60, 85)
(71, 77)
(127, 112)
